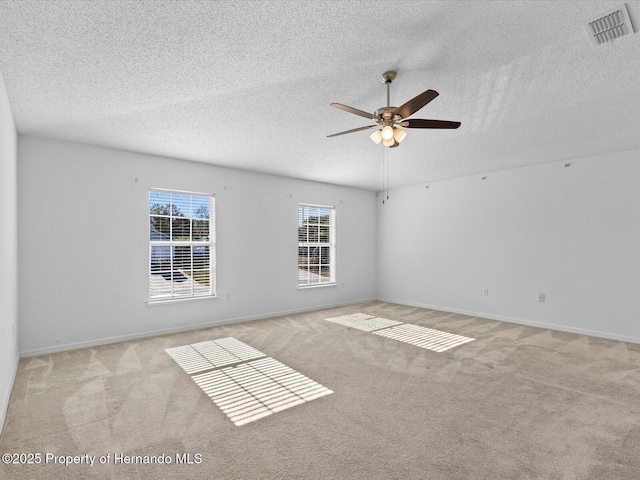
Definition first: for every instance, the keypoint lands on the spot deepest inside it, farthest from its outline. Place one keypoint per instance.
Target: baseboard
(7, 394)
(519, 321)
(154, 333)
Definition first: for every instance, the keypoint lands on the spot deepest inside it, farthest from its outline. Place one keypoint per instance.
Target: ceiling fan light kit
(389, 118)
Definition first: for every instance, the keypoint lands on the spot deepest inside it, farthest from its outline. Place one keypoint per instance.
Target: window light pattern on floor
(364, 322)
(408, 333)
(202, 356)
(424, 337)
(254, 390)
(249, 390)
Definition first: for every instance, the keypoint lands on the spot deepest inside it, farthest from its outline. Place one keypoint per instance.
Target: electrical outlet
(485, 292)
(228, 296)
(541, 297)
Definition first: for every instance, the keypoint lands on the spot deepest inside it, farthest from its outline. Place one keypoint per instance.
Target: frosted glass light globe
(399, 134)
(387, 132)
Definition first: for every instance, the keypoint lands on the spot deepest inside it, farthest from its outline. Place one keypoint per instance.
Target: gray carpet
(516, 403)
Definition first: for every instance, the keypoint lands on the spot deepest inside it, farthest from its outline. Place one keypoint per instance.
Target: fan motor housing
(386, 113)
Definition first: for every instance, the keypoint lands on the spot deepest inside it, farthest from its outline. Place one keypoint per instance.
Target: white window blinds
(181, 245)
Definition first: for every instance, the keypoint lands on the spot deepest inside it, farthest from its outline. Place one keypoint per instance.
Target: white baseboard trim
(154, 333)
(7, 394)
(519, 321)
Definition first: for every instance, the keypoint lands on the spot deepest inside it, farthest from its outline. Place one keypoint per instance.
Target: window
(181, 245)
(316, 245)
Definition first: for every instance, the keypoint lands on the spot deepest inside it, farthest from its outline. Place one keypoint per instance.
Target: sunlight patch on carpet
(210, 354)
(247, 390)
(189, 359)
(254, 390)
(424, 337)
(364, 322)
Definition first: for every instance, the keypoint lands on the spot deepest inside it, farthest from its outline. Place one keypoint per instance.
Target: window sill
(320, 285)
(153, 303)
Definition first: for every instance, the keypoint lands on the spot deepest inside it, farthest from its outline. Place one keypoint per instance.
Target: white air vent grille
(613, 24)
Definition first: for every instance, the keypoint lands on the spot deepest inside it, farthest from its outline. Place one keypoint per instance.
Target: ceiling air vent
(607, 27)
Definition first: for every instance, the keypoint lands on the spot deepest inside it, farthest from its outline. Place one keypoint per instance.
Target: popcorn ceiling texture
(248, 84)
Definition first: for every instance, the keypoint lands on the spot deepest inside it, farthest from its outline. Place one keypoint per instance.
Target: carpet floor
(517, 402)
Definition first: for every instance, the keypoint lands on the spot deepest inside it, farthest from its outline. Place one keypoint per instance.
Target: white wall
(8, 252)
(84, 244)
(570, 233)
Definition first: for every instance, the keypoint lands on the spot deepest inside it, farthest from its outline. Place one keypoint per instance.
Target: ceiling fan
(389, 118)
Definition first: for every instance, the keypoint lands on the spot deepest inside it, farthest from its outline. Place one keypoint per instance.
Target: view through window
(316, 245)
(181, 245)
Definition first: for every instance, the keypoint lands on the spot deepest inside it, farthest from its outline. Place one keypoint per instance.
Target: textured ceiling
(248, 84)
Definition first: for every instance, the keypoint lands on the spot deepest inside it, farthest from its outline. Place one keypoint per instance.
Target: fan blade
(416, 103)
(351, 131)
(355, 111)
(419, 123)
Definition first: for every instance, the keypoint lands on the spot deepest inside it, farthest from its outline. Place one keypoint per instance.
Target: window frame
(331, 244)
(171, 243)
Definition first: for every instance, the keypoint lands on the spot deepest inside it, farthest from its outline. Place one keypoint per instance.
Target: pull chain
(385, 174)
(387, 151)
